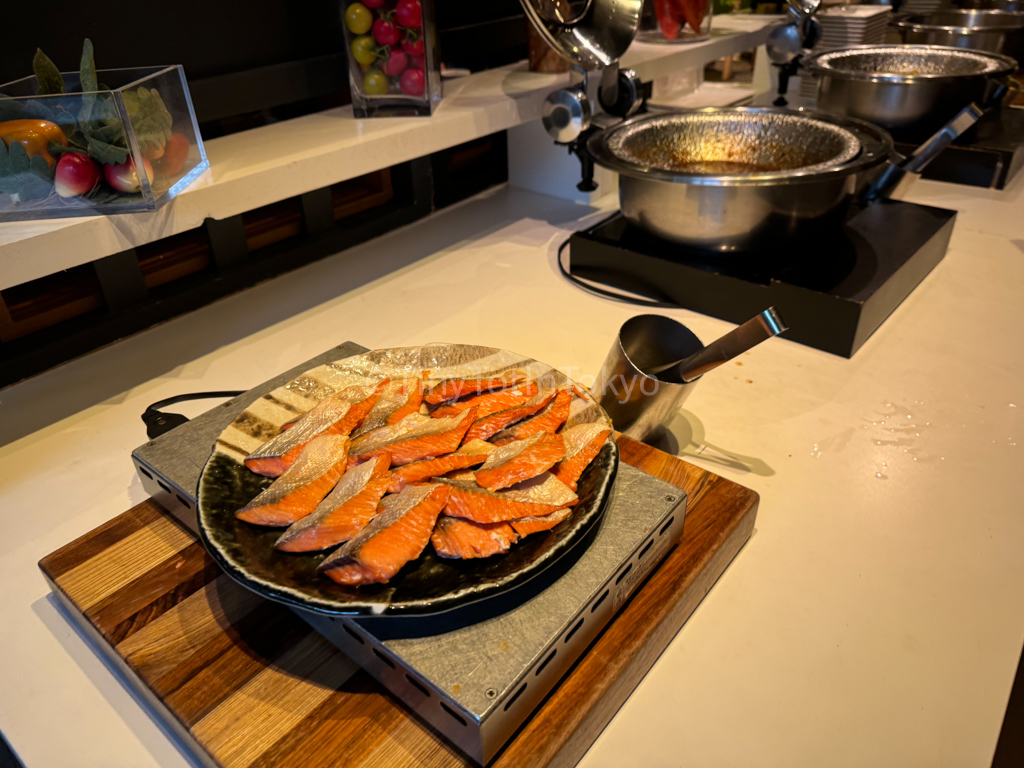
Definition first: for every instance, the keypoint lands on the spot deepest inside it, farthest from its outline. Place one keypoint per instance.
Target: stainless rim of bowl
(1005, 65)
(916, 21)
(875, 147)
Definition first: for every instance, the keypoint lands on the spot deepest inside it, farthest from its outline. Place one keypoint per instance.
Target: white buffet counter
(873, 618)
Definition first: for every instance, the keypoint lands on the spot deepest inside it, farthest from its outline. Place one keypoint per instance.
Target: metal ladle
(736, 342)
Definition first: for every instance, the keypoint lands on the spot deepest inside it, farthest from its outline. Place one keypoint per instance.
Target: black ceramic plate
(430, 584)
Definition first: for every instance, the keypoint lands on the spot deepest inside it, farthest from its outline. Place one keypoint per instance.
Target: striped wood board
(247, 684)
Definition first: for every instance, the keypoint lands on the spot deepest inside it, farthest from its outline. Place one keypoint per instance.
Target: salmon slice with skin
(452, 389)
(490, 402)
(582, 444)
(346, 510)
(397, 400)
(396, 535)
(527, 525)
(520, 460)
(469, 455)
(303, 486)
(456, 538)
(536, 497)
(414, 438)
(338, 414)
(495, 422)
(548, 419)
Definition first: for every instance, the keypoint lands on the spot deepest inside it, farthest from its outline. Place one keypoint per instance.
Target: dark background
(247, 63)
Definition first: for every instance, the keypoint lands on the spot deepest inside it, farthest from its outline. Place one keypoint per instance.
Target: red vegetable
(373, 3)
(668, 18)
(409, 13)
(413, 45)
(175, 155)
(123, 176)
(417, 62)
(76, 174)
(413, 82)
(396, 63)
(385, 32)
(691, 12)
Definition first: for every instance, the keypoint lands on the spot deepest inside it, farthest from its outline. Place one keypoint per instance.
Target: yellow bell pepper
(34, 135)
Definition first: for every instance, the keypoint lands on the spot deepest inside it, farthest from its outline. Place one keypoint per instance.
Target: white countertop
(874, 618)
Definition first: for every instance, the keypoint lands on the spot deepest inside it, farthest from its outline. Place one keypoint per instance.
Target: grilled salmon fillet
(296, 493)
(397, 534)
(346, 510)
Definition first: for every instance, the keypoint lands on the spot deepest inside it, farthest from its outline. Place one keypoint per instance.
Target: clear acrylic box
(142, 119)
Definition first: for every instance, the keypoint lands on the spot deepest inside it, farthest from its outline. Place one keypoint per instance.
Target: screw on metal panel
(670, 498)
(490, 693)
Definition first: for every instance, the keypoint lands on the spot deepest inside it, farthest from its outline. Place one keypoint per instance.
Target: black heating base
(989, 155)
(834, 288)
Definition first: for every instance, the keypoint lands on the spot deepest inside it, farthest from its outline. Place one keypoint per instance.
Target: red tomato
(409, 13)
(413, 82)
(396, 63)
(384, 32)
(415, 47)
(417, 62)
(373, 3)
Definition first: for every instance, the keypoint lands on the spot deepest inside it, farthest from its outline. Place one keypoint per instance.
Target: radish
(122, 176)
(76, 174)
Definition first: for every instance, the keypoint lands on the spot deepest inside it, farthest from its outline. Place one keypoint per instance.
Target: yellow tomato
(358, 19)
(362, 50)
(375, 83)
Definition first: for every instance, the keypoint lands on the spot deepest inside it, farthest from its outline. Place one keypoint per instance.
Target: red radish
(409, 13)
(385, 32)
(76, 174)
(412, 82)
(396, 63)
(122, 176)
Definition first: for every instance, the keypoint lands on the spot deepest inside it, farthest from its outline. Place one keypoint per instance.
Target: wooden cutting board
(245, 682)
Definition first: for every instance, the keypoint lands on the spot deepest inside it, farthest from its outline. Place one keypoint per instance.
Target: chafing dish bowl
(722, 179)
(910, 90)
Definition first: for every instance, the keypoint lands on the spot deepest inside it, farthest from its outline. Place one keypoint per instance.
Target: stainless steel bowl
(722, 179)
(910, 90)
(979, 30)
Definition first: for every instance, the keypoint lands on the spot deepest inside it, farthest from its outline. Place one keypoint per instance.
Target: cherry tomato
(375, 83)
(363, 50)
(412, 82)
(385, 32)
(373, 3)
(414, 47)
(358, 19)
(409, 13)
(417, 62)
(396, 63)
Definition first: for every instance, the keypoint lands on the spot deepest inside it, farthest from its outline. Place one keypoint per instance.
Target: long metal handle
(891, 177)
(733, 344)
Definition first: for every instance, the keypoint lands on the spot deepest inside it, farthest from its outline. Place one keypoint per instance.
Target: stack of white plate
(846, 25)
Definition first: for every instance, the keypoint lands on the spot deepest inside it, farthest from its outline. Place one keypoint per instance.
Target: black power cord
(158, 422)
(652, 303)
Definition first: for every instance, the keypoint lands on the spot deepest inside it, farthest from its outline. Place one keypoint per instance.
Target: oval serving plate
(429, 584)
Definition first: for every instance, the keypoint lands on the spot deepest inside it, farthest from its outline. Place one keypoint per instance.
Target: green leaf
(12, 109)
(150, 119)
(104, 153)
(87, 72)
(22, 177)
(47, 74)
(58, 149)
